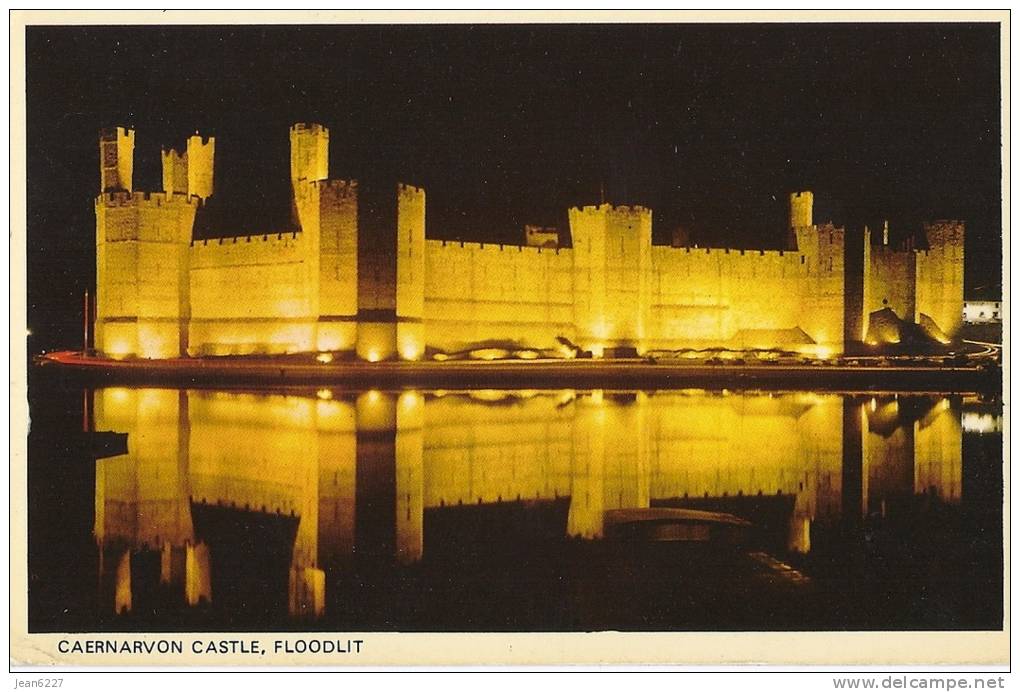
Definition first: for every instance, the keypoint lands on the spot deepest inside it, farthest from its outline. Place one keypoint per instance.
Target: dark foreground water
(513, 510)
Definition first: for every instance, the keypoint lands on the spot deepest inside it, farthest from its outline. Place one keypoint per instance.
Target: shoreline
(622, 374)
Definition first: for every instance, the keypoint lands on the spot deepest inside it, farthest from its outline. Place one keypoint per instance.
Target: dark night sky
(709, 125)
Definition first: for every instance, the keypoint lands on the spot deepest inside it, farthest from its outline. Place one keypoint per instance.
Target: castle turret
(309, 152)
(801, 206)
(201, 152)
(190, 172)
(116, 159)
(175, 171)
(309, 162)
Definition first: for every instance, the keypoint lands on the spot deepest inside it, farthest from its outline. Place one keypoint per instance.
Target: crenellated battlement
(336, 185)
(146, 199)
(312, 128)
(606, 207)
(743, 252)
(286, 238)
(404, 188)
(496, 247)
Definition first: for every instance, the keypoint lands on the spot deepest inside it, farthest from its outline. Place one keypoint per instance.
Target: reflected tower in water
(238, 498)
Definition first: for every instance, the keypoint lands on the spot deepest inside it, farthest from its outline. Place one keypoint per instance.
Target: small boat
(658, 524)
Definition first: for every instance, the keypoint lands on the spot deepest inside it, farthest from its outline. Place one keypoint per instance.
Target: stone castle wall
(480, 292)
(699, 298)
(253, 294)
(360, 276)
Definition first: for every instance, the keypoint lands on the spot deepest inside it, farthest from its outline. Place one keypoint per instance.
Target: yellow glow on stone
(118, 350)
(118, 394)
(324, 394)
(409, 352)
(324, 358)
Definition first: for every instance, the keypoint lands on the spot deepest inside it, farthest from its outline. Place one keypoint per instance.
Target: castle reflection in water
(330, 475)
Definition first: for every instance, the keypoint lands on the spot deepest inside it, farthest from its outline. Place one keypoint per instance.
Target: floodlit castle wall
(477, 293)
(253, 294)
(723, 298)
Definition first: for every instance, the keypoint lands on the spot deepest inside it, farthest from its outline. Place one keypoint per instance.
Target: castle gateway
(360, 276)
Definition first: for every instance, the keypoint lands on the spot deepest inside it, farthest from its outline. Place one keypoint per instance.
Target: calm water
(501, 510)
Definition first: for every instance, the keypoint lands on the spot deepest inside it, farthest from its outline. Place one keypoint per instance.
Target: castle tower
(857, 285)
(391, 273)
(309, 162)
(142, 261)
(191, 172)
(938, 300)
(309, 152)
(410, 272)
(612, 262)
(336, 204)
(116, 159)
(823, 251)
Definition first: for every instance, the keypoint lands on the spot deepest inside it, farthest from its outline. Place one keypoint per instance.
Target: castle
(360, 276)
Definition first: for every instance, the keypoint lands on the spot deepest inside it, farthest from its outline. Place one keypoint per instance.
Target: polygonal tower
(142, 243)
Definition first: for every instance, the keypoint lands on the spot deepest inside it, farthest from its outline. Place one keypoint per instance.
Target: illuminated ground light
(324, 357)
(373, 356)
(526, 354)
(324, 394)
(489, 353)
(440, 357)
(820, 352)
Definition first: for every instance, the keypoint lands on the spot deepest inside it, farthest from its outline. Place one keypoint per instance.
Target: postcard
(508, 339)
